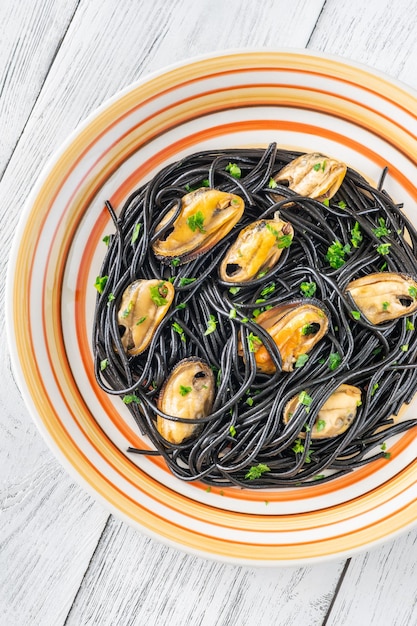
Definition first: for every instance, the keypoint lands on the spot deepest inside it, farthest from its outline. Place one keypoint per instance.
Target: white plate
(305, 101)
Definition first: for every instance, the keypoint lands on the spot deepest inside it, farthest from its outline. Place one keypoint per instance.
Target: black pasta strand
(245, 442)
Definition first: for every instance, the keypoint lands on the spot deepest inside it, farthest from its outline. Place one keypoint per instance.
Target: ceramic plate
(302, 101)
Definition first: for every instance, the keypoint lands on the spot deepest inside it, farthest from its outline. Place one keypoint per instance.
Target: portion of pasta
(256, 314)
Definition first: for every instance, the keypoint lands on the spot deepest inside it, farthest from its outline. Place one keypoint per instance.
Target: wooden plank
(379, 33)
(380, 587)
(30, 34)
(133, 580)
(50, 527)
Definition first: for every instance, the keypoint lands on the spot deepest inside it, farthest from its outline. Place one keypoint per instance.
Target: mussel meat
(188, 393)
(143, 306)
(313, 175)
(295, 327)
(257, 249)
(205, 217)
(384, 296)
(336, 414)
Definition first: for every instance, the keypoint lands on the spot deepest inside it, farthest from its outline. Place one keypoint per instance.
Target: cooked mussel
(257, 249)
(336, 414)
(313, 175)
(205, 217)
(295, 327)
(188, 393)
(143, 306)
(384, 296)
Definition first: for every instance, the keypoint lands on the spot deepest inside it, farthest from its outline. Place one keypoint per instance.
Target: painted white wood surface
(63, 559)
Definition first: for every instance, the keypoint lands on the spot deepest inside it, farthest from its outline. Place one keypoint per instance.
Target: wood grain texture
(380, 587)
(30, 34)
(381, 34)
(60, 60)
(183, 590)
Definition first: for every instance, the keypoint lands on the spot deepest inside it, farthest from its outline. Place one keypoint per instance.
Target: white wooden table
(63, 558)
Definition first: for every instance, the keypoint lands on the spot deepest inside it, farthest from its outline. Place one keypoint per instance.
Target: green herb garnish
(320, 425)
(136, 232)
(383, 248)
(256, 471)
(103, 364)
(184, 390)
(234, 170)
(381, 230)
(355, 314)
(101, 283)
(141, 320)
(178, 329)
(336, 254)
(334, 360)
(158, 294)
(409, 325)
(186, 281)
(272, 183)
(308, 289)
(196, 221)
(252, 340)
(301, 360)
(356, 235)
(131, 398)
(211, 325)
(106, 239)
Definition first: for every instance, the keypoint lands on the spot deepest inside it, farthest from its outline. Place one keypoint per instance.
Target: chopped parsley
(178, 329)
(176, 261)
(141, 320)
(252, 340)
(203, 183)
(308, 289)
(308, 329)
(412, 292)
(232, 431)
(249, 401)
(356, 235)
(305, 400)
(101, 283)
(158, 294)
(232, 314)
(234, 170)
(103, 364)
(298, 447)
(196, 221)
(355, 314)
(282, 241)
(256, 471)
(267, 290)
(404, 347)
(342, 204)
(409, 325)
(106, 239)
(320, 166)
(301, 360)
(136, 232)
(383, 248)
(181, 305)
(385, 306)
(211, 325)
(111, 297)
(374, 388)
(132, 397)
(184, 390)
(186, 281)
(320, 425)
(272, 183)
(234, 290)
(128, 309)
(336, 254)
(334, 361)
(381, 230)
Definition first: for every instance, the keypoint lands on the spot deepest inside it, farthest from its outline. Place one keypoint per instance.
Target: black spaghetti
(249, 437)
